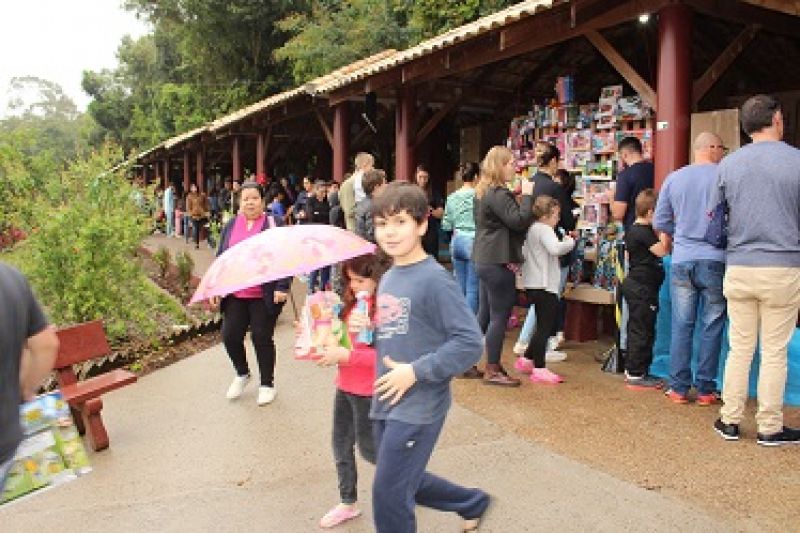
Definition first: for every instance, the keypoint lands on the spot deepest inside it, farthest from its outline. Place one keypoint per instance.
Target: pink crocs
(523, 365)
(338, 515)
(543, 375)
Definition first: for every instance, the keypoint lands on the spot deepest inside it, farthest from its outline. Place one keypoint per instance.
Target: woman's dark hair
(372, 266)
(253, 185)
(470, 171)
(546, 153)
(567, 181)
(400, 196)
(757, 113)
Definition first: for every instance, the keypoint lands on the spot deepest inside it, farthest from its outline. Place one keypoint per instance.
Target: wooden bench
(78, 344)
(584, 304)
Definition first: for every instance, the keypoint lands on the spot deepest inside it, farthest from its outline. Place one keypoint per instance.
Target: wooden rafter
(437, 117)
(324, 125)
(703, 84)
(623, 67)
(770, 17)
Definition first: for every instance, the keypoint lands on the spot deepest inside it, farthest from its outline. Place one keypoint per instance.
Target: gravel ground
(645, 439)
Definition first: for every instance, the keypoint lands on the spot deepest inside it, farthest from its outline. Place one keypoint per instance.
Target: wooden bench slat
(81, 343)
(94, 387)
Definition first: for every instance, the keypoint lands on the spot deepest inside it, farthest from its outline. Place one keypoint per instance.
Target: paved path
(203, 257)
(184, 459)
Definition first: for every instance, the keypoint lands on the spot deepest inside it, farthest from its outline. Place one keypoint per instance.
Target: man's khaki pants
(762, 303)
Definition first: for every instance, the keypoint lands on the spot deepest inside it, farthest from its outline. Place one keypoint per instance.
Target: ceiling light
(644, 18)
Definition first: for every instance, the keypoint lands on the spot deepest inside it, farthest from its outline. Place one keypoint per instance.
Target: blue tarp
(660, 365)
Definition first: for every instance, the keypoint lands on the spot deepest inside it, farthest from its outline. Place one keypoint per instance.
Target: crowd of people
(432, 325)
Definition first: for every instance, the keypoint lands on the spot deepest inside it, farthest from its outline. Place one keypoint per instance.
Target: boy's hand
(333, 356)
(396, 382)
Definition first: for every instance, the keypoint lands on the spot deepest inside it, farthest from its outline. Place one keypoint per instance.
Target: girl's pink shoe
(338, 515)
(543, 375)
(523, 365)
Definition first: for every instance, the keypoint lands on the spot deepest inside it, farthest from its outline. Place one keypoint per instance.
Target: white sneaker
(559, 339)
(265, 395)
(520, 347)
(237, 387)
(554, 356)
(552, 344)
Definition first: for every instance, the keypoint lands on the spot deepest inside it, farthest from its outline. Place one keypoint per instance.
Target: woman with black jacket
(256, 308)
(500, 227)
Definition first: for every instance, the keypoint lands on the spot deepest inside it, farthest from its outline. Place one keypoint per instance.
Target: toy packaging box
(52, 451)
(320, 326)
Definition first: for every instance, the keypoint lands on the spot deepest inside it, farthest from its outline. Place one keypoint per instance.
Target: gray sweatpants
(351, 424)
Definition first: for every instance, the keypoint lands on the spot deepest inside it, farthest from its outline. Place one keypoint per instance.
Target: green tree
(432, 17)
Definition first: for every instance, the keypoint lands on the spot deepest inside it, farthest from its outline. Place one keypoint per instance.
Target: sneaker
(676, 397)
(707, 399)
(523, 365)
(543, 375)
(552, 344)
(554, 356)
(785, 436)
(726, 431)
(495, 374)
(642, 382)
(520, 347)
(237, 387)
(559, 339)
(339, 515)
(265, 395)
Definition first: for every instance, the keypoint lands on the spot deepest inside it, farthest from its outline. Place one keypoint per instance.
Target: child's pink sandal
(338, 515)
(543, 375)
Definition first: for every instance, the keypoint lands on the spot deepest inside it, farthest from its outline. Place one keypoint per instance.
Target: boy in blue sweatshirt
(426, 334)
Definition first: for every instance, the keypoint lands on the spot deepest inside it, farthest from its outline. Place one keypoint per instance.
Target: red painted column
(260, 155)
(341, 140)
(404, 135)
(165, 176)
(674, 90)
(199, 168)
(186, 171)
(236, 160)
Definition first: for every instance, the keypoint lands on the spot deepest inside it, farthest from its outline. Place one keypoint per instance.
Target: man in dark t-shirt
(637, 176)
(640, 289)
(23, 327)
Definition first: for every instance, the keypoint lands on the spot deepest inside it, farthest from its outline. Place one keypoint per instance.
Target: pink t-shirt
(239, 233)
(357, 375)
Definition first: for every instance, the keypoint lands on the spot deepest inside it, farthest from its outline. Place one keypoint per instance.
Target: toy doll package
(320, 326)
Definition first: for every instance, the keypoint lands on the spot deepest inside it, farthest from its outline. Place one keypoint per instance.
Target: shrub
(82, 258)
(185, 265)
(162, 259)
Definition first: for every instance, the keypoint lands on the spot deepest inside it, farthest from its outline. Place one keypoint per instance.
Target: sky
(58, 39)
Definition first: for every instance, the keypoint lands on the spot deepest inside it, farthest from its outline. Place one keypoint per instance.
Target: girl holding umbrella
(256, 308)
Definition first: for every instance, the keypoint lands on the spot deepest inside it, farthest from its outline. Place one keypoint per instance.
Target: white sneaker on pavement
(554, 356)
(265, 395)
(237, 387)
(519, 348)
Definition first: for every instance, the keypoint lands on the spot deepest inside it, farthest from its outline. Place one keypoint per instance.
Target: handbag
(717, 231)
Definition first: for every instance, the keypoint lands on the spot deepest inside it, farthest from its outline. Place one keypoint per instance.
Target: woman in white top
(541, 275)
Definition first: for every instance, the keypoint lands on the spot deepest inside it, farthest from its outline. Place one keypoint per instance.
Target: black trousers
(239, 315)
(546, 306)
(497, 296)
(351, 425)
(642, 302)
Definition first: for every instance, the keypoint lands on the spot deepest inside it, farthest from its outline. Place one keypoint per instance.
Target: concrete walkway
(203, 257)
(185, 459)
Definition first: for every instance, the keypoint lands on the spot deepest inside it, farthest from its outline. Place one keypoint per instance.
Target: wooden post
(260, 167)
(199, 168)
(186, 171)
(156, 173)
(165, 177)
(341, 140)
(404, 134)
(236, 161)
(673, 115)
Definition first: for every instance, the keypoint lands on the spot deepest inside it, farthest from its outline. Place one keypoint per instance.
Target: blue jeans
(464, 268)
(696, 286)
(4, 469)
(170, 219)
(401, 481)
(323, 276)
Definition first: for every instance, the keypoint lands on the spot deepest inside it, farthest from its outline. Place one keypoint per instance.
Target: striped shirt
(459, 214)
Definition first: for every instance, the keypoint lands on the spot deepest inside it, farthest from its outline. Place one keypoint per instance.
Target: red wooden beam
(324, 125)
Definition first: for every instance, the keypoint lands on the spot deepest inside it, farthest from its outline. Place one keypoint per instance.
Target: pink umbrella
(279, 253)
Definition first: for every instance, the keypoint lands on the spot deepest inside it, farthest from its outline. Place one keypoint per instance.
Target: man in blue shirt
(638, 175)
(697, 271)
